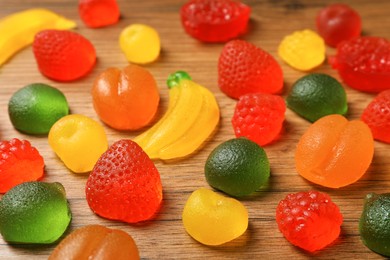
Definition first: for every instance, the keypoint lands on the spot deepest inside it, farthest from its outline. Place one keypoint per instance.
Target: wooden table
(165, 237)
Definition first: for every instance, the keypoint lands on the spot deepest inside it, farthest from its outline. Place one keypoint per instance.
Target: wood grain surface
(165, 237)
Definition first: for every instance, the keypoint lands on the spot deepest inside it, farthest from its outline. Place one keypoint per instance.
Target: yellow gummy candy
(302, 50)
(213, 219)
(78, 141)
(140, 43)
(18, 30)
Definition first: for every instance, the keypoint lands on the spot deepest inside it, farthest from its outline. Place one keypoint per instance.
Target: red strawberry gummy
(309, 220)
(215, 20)
(364, 63)
(99, 13)
(124, 185)
(337, 23)
(377, 116)
(259, 117)
(63, 55)
(244, 68)
(19, 162)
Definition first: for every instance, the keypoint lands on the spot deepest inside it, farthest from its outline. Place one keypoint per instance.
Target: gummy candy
(259, 117)
(34, 108)
(213, 219)
(309, 220)
(374, 224)
(19, 162)
(63, 55)
(316, 95)
(99, 13)
(215, 20)
(337, 23)
(140, 43)
(192, 116)
(244, 68)
(364, 63)
(124, 185)
(329, 149)
(237, 167)
(18, 30)
(120, 95)
(303, 50)
(78, 141)
(377, 116)
(34, 213)
(96, 242)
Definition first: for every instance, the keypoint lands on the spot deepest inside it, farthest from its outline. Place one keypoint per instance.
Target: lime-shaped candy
(34, 212)
(374, 223)
(237, 167)
(316, 95)
(34, 108)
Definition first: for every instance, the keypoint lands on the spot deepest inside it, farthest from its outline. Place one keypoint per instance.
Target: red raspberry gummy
(337, 23)
(364, 63)
(309, 220)
(99, 13)
(19, 162)
(215, 20)
(124, 185)
(259, 117)
(244, 68)
(63, 55)
(377, 116)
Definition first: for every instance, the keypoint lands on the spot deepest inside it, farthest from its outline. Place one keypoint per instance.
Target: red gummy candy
(337, 23)
(63, 55)
(377, 116)
(99, 13)
(244, 68)
(19, 162)
(124, 185)
(259, 117)
(309, 220)
(364, 63)
(215, 20)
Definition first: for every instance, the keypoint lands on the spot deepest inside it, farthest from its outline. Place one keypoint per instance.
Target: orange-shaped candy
(126, 99)
(96, 242)
(334, 152)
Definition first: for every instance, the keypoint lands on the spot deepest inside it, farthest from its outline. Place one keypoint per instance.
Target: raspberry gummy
(309, 220)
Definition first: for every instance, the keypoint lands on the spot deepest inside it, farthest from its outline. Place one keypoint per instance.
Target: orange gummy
(334, 152)
(96, 242)
(126, 99)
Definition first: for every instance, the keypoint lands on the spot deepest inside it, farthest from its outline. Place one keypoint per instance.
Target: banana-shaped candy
(192, 116)
(18, 30)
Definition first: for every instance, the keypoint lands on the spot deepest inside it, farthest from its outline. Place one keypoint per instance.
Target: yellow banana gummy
(192, 116)
(18, 30)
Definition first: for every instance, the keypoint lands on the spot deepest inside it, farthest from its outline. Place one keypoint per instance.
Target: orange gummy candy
(96, 242)
(334, 152)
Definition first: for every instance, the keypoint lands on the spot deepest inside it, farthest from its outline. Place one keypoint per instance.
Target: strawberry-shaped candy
(124, 185)
(377, 116)
(19, 162)
(99, 13)
(244, 68)
(259, 117)
(63, 55)
(364, 63)
(309, 220)
(215, 20)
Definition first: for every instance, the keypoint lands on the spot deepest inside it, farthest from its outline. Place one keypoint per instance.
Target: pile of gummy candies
(123, 182)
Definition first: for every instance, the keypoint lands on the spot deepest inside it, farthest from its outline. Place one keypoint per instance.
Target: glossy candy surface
(334, 152)
(78, 141)
(96, 242)
(213, 219)
(124, 185)
(19, 162)
(98, 13)
(309, 220)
